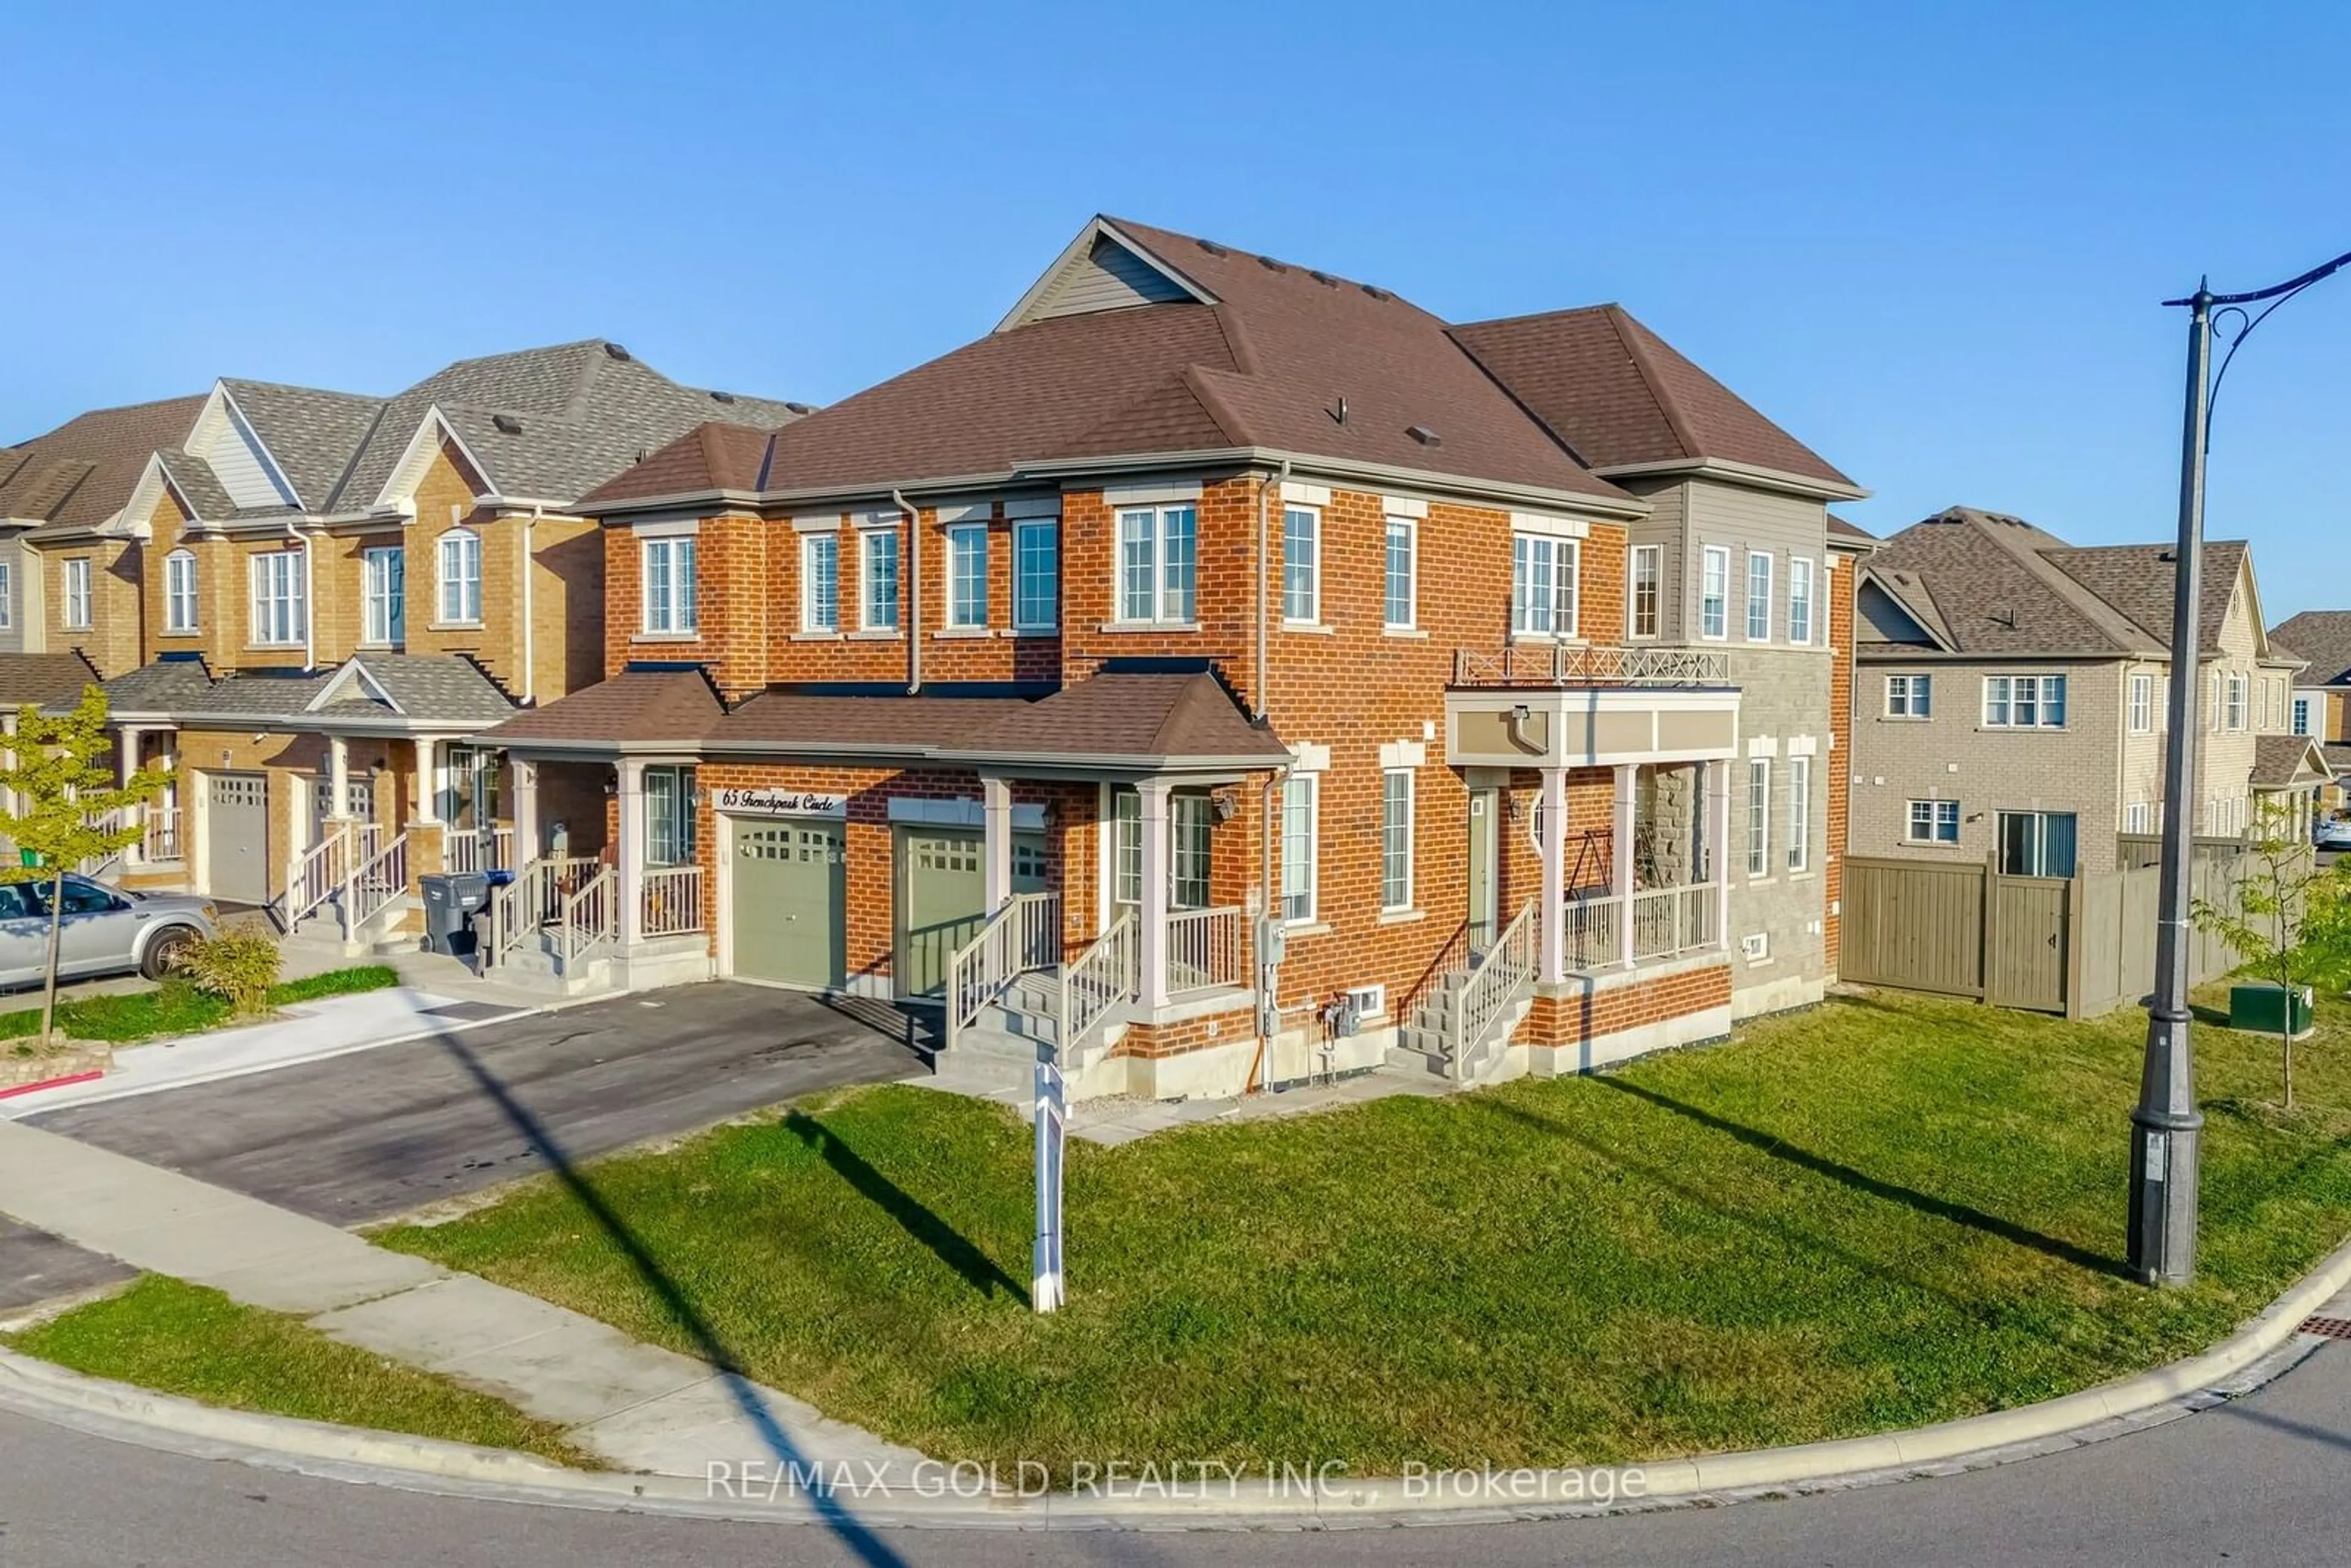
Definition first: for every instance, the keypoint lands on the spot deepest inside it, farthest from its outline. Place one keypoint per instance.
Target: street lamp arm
(2234, 333)
(2291, 285)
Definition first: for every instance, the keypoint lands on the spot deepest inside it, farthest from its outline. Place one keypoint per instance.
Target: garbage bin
(452, 899)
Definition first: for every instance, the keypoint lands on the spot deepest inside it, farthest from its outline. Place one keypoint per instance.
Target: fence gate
(2025, 937)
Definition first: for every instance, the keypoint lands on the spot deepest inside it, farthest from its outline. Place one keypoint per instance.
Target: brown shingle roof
(2324, 638)
(2138, 580)
(2282, 761)
(813, 723)
(44, 678)
(644, 707)
(1622, 396)
(81, 472)
(1139, 717)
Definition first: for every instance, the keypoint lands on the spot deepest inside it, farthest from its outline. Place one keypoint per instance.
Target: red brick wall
(1572, 1019)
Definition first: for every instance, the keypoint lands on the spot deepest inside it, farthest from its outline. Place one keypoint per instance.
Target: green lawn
(1882, 1212)
(176, 1007)
(184, 1339)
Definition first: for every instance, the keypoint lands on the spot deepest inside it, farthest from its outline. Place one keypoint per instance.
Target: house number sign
(781, 803)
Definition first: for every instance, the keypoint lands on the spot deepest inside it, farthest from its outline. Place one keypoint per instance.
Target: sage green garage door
(791, 899)
(943, 897)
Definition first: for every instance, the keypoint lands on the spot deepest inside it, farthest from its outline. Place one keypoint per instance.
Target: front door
(1484, 806)
(791, 892)
(236, 837)
(941, 902)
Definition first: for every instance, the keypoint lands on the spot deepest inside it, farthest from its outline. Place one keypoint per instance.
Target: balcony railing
(162, 842)
(1666, 922)
(1204, 949)
(1568, 664)
(671, 901)
(478, 849)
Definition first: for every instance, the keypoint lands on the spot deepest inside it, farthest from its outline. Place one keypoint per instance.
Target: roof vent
(1213, 248)
(1424, 435)
(1338, 412)
(1375, 292)
(616, 351)
(507, 422)
(1271, 265)
(2004, 615)
(1324, 278)
(722, 397)
(801, 407)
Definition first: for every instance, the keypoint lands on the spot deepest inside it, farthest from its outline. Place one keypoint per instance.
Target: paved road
(2255, 1481)
(359, 1138)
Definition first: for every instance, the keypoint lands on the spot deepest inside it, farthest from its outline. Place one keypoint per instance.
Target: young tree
(2275, 910)
(59, 777)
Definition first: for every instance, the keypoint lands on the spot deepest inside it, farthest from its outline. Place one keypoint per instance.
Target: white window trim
(1911, 692)
(371, 562)
(1410, 526)
(2138, 705)
(1799, 792)
(956, 534)
(1657, 554)
(1566, 587)
(7, 595)
(1411, 824)
(1021, 528)
(1313, 783)
(1936, 810)
(258, 570)
(2039, 702)
(1759, 824)
(1157, 512)
(685, 618)
(1811, 577)
(444, 580)
(1314, 616)
(870, 542)
(811, 543)
(1707, 558)
(1765, 557)
(73, 603)
(179, 565)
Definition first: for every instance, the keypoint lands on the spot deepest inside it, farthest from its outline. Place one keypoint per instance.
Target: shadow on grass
(1892, 1192)
(854, 1536)
(945, 1242)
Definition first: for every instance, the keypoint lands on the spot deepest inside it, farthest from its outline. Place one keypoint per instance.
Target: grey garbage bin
(452, 899)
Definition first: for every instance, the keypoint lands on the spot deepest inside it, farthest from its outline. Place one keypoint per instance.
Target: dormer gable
(1103, 269)
(433, 431)
(225, 439)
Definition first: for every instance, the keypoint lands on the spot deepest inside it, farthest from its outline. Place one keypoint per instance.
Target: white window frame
(2235, 692)
(1758, 607)
(7, 594)
(1910, 696)
(1298, 879)
(1800, 815)
(2138, 817)
(1559, 613)
(180, 602)
(1301, 580)
(966, 609)
(1024, 615)
(820, 587)
(2297, 716)
(2009, 695)
(73, 607)
(1758, 818)
(2142, 704)
(1935, 817)
(675, 612)
(1396, 891)
(1801, 575)
(876, 611)
(1655, 555)
(280, 603)
(457, 578)
(1145, 540)
(1409, 530)
(1714, 594)
(383, 596)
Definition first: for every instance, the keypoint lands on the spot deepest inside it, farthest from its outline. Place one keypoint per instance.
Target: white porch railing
(523, 907)
(1023, 936)
(1204, 949)
(590, 915)
(1098, 981)
(478, 849)
(316, 873)
(1506, 974)
(1570, 665)
(371, 885)
(1671, 921)
(162, 842)
(1595, 928)
(669, 901)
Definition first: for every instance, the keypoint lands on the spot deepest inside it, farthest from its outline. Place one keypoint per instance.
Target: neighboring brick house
(1235, 666)
(2321, 701)
(2012, 692)
(310, 599)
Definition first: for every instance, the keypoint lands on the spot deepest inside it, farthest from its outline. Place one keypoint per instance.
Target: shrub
(238, 966)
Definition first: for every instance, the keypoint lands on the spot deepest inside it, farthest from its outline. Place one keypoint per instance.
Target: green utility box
(2262, 1009)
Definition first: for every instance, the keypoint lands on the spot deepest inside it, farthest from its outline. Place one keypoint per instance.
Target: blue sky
(1928, 239)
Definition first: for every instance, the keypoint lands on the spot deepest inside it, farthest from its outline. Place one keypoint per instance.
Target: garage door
(236, 836)
(943, 897)
(790, 899)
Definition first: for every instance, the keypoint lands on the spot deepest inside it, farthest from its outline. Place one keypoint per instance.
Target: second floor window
(1643, 598)
(669, 587)
(1759, 597)
(1036, 575)
(383, 575)
(1909, 696)
(1714, 594)
(461, 577)
(77, 604)
(1800, 602)
(877, 595)
(1543, 573)
(179, 591)
(281, 610)
(1302, 565)
(2024, 702)
(2302, 715)
(1158, 556)
(7, 595)
(2232, 702)
(820, 583)
(1400, 586)
(968, 576)
(2142, 704)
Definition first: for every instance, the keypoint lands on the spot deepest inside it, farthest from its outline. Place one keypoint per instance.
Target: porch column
(1718, 808)
(427, 780)
(339, 777)
(996, 798)
(1627, 775)
(525, 811)
(629, 856)
(1553, 851)
(1154, 915)
(126, 763)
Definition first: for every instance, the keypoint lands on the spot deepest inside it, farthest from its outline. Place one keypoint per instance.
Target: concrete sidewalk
(637, 1406)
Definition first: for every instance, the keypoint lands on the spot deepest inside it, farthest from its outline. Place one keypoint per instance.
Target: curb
(92, 1076)
(160, 1420)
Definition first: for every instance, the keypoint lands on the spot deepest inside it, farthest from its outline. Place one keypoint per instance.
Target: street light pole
(2167, 1129)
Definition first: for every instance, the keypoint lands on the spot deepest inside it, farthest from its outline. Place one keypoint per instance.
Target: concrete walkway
(1114, 1119)
(637, 1406)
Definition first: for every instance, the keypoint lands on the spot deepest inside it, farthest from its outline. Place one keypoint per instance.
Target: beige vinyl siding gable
(1740, 520)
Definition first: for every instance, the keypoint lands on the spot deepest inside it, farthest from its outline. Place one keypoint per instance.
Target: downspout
(529, 629)
(913, 591)
(310, 600)
(1257, 695)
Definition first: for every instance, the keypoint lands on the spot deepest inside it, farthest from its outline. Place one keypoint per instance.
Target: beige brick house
(2321, 639)
(1230, 671)
(2011, 697)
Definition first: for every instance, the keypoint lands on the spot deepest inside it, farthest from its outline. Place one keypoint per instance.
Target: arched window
(461, 577)
(180, 591)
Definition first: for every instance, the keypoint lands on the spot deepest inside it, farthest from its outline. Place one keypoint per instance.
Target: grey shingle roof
(436, 688)
(195, 479)
(313, 433)
(2324, 638)
(2281, 761)
(165, 686)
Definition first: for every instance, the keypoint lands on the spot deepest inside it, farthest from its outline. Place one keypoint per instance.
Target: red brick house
(1221, 667)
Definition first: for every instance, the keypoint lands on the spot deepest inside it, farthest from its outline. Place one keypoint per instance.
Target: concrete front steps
(998, 1053)
(397, 927)
(1426, 1043)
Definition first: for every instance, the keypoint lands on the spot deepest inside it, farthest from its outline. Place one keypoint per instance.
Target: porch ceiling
(1590, 726)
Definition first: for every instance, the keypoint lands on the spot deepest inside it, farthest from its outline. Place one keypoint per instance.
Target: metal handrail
(1507, 973)
(316, 873)
(371, 887)
(1098, 981)
(1022, 936)
(590, 916)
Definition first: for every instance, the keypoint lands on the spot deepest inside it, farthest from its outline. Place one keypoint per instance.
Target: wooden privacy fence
(2080, 946)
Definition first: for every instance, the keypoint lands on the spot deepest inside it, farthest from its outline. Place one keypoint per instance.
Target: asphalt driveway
(365, 1136)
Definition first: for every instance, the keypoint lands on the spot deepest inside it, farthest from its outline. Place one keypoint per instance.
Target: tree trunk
(49, 968)
(2286, 1028)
